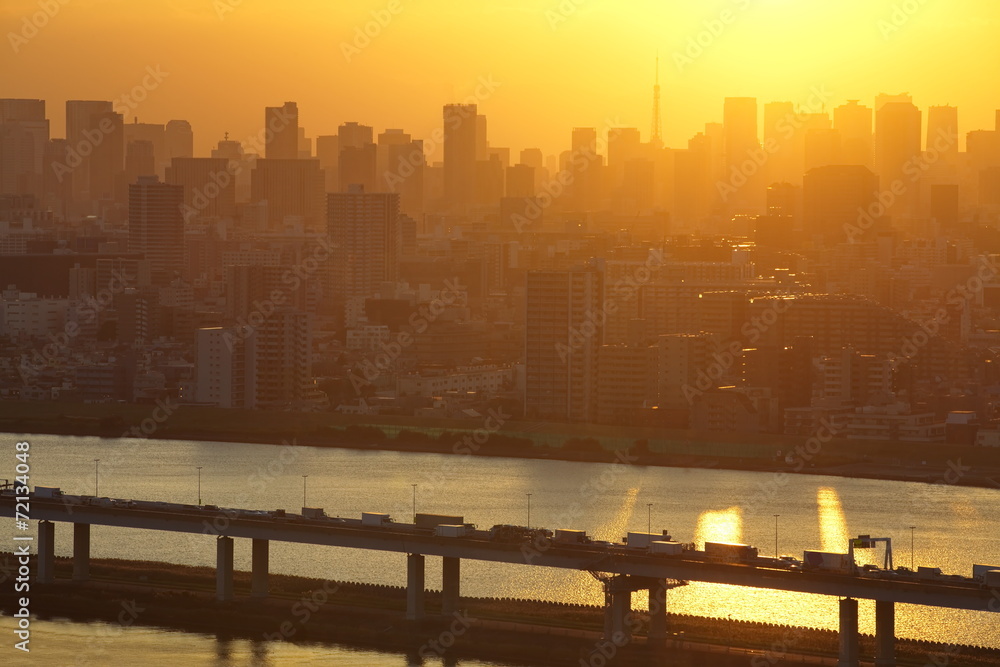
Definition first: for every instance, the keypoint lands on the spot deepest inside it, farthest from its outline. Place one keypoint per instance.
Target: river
(954, 526)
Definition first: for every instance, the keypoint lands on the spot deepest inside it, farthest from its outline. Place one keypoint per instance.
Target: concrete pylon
(46, 552)
(885, 634)
(81, 551)
(658, 612)
(260, 558)
(849, 649)
(414, 587)
(224, 569)
(451, 582)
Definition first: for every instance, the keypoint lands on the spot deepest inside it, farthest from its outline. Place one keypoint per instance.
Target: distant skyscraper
(281, 125)
(740, 123)
(656, 134)
(179, 140)
(358, 165)
(897, 144)
(365, 231)
(107, 162)
(283, 358)
(355, 134)
(854, 121)
(293, 190)
(156, 136)
(563, 336)
(209, 186)
(225, 368)
(82, 132)
(460, 154)
(156, 226)
(24, 136)
(836, 201)
(942, 133)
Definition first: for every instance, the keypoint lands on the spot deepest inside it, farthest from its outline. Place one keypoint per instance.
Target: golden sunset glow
(560, 64)
(720, 526)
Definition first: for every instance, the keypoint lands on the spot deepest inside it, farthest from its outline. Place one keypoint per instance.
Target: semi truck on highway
(828, 562)
(730, 553)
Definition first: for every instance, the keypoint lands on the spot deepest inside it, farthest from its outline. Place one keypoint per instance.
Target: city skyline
(555, 66)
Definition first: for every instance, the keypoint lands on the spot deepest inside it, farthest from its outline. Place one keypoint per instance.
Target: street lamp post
(649, 517)
(97, 476)
(304, 504)
(529, 509)
(776, 535)
(199, 484)
(414, 502)
(912, 528)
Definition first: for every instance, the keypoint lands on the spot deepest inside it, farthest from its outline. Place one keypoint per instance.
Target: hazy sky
(559, 63)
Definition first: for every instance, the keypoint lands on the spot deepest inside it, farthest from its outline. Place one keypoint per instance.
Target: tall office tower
(489, 182)
(682, 359)
(942, 134)
(854, 121)
(82, 132)
(209, 186)
(740, 126)
(305, 145)
(741, 144)
(364, 228)
(239, 166)
(945, 205)
(520, 181)
(179, 140)
(533, 158)
(624, 145)
(694, 181)
(156, 226)
(405, 175)
(156, 135)
(283, 356)
(784, 199)
(780, 128)
(563, 336)
(293, 190)
(897, 144)
(355, 134)
(328, 154)
(584, 192)
(838, 202)
(482, 140)
(281, 127)
(24, 136)
(107, 162)
(460, 155)
(225, 368)
(250, 287)
(140, 161)
(358, 165)
(823, 147)
(386, 140)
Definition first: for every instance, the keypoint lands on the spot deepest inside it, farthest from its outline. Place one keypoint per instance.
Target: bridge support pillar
(46, 552)
(885, 634)
(224, 569)
(658, 612)
(616, 627)
(414, 587)
(451, 581)
(259, 568)
(81, 551)
(849, 650)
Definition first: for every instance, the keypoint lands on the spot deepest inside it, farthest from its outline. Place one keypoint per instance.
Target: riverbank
(312, 610)
(893, 461)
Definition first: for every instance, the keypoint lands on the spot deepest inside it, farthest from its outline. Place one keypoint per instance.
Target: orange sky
(559, 63)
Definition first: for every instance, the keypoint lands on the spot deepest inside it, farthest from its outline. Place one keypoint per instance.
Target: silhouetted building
(281, 131)
(156, 226)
